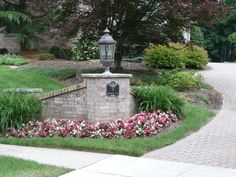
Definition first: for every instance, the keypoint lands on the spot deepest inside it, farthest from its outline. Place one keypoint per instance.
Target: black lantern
(107, 47)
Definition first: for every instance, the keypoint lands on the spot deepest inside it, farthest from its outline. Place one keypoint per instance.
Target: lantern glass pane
(102, 50)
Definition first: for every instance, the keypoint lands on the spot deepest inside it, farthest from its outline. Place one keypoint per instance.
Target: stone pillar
(101, 105)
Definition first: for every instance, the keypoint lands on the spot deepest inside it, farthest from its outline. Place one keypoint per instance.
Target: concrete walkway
(123, 166)
(62, 158)
(215, 143)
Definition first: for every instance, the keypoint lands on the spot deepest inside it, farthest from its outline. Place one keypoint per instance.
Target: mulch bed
(214, 99)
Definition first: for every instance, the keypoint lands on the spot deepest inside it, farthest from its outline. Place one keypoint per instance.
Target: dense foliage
(12, 60)
(197, 36)
(154, 97)
(195, 57)
(176, 56)
(162, 56)
(136, 22)
(61, 52)
(16, 108)
(85, 49)
(3, 51)
(184, 80)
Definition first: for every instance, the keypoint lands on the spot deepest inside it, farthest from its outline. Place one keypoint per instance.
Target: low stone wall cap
(115, 75)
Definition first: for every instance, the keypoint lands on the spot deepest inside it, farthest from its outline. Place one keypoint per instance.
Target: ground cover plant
(195, 118)
(12, 60)
(12, 167)
(140, 125)
(58, 73)
(18, 108)
(11, 78)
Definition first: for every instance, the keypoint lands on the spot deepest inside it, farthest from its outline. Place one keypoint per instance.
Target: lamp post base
(107, 71)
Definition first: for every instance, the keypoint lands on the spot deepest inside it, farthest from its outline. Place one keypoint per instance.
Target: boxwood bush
(18, 108)
(12, 60)
(151, 98)
(161, 56)
(184, 81)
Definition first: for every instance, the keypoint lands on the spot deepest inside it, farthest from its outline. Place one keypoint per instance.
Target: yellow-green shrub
(196, 57)
(184, 81)
(161, 56)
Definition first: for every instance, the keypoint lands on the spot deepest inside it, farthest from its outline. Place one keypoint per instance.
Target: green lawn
(58, 73)
(196, 117)
(13, 167)
(12, 78)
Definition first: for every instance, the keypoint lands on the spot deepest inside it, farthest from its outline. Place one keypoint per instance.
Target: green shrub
(161, 56)
(12, 60)
(196, 57)
(178, 46)
(184, 81)
(62, 53)
(3, 51)
(46, 56)
(18, 108)
(151, 98)
(53, 72)
(197, 36)
(86, 50)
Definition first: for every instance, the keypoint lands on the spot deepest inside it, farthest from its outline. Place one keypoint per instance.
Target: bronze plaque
(113, 89)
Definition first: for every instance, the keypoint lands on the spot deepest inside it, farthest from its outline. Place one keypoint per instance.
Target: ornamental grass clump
(154, 97)
(18, 108)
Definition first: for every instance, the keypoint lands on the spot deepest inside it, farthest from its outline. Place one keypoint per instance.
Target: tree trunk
(119, 55)
(22, 6)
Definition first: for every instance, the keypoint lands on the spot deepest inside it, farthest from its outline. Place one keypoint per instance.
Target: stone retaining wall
(71, 102)
(10, 42)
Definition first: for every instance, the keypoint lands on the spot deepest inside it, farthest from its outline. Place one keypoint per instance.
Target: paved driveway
(215, 143)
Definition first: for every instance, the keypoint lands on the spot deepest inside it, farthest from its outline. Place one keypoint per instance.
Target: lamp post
(107, 47)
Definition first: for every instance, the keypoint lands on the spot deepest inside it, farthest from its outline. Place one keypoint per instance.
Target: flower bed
(139, 125)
